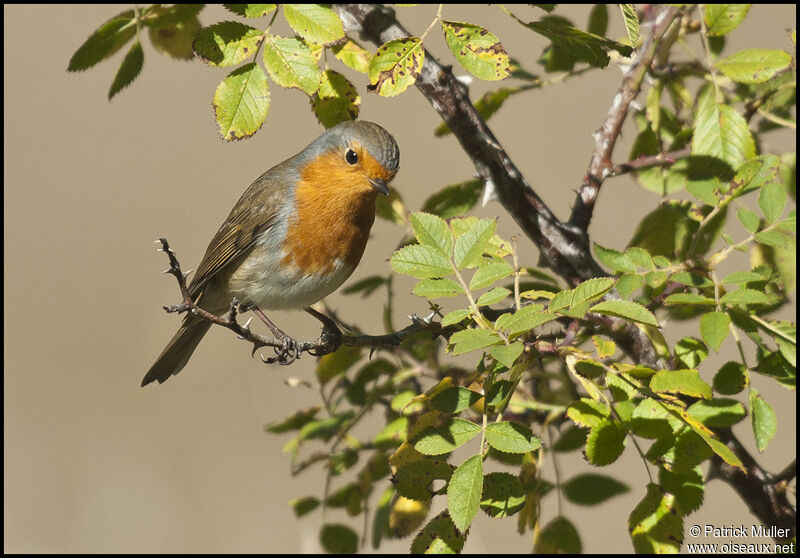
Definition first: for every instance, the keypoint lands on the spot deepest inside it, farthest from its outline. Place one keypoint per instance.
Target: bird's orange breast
(334, 211)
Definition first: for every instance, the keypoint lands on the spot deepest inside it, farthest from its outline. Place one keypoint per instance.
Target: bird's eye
(351, 157)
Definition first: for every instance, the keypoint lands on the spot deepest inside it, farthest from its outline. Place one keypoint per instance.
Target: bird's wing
(255, 212)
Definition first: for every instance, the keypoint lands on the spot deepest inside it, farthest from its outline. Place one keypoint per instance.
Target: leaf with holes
(477, 50)
(291, 63)
(395, 66)
(227, 43)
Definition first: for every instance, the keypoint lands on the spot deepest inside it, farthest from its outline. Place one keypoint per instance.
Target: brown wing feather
(255, 212)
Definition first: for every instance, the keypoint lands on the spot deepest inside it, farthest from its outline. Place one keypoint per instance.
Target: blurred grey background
(94, 463)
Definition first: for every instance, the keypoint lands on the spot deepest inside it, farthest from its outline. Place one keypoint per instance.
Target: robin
(295, 235)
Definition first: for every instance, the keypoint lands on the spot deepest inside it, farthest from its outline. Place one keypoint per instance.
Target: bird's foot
(331, 337)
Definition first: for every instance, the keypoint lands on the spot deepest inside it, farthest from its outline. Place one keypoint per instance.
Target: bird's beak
(379, 185)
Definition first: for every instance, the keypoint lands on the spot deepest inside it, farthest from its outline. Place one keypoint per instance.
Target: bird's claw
(289, 351)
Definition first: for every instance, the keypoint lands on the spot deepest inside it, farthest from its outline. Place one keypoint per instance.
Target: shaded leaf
(128, 70)
(336, 100)
(464, 492)
(590, 489)
(227, 43)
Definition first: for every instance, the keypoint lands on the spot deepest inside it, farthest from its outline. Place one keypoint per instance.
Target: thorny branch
(605, 138)
(564, 246)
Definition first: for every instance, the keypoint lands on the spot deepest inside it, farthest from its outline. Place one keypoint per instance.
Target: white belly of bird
(264, 279)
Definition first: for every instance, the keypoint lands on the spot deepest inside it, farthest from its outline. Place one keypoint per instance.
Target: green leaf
(631, 23)
(291, 63)
(493, 296)
(414, 477)
(691, 280)
(323, 428)
(477, 50)
(128, 70)
(755, 174)
(687, 382)
(689, 298)
(396, 66)
(524, 319)
(393, 434)
(454, 317)
(439, 536)
(502, 495)
(315, 22)
(437, 288)
(690, 352)
(771, 201)
(464, 492)
(743, 297)
(575, 43)
(605, 443)
(722, 132)
(755, 65)
(473, 339)
(352, 55)
(336, 363)
(511, 437)
(748, 219)
(294, 421)
(772, 238)
(656, 523)
(303, 506)
(598, 20)
(227, 43)
(724, 18)
(628, 283)
(252, 11)
(104, 42)
(717, 413)
(762, 419)
(172, 30)
(241, 102)
(687, 487)
(489, 273)
(613, 259)
(587, 413)
(454, 200)
(472, 243)
(444, 439)
(740, 277)
(558, 536)
(589, 489)
(422, 262)
(714, 328)
(640, 257)
(626, 309)
(367, 285)
(507, 354)
(591, 289)
(338, 539)
(432, 231)
(454, 399)
(731, 378)
(336, 100)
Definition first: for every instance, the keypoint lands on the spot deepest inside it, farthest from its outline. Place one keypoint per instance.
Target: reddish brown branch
(600, 166)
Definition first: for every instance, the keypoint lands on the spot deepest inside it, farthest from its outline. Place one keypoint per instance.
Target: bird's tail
(177, 353)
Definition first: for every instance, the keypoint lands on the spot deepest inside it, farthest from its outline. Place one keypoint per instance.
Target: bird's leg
(290, 351)
(331, 336)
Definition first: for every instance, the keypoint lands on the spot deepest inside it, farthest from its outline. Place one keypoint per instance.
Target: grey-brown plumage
(245, 257)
